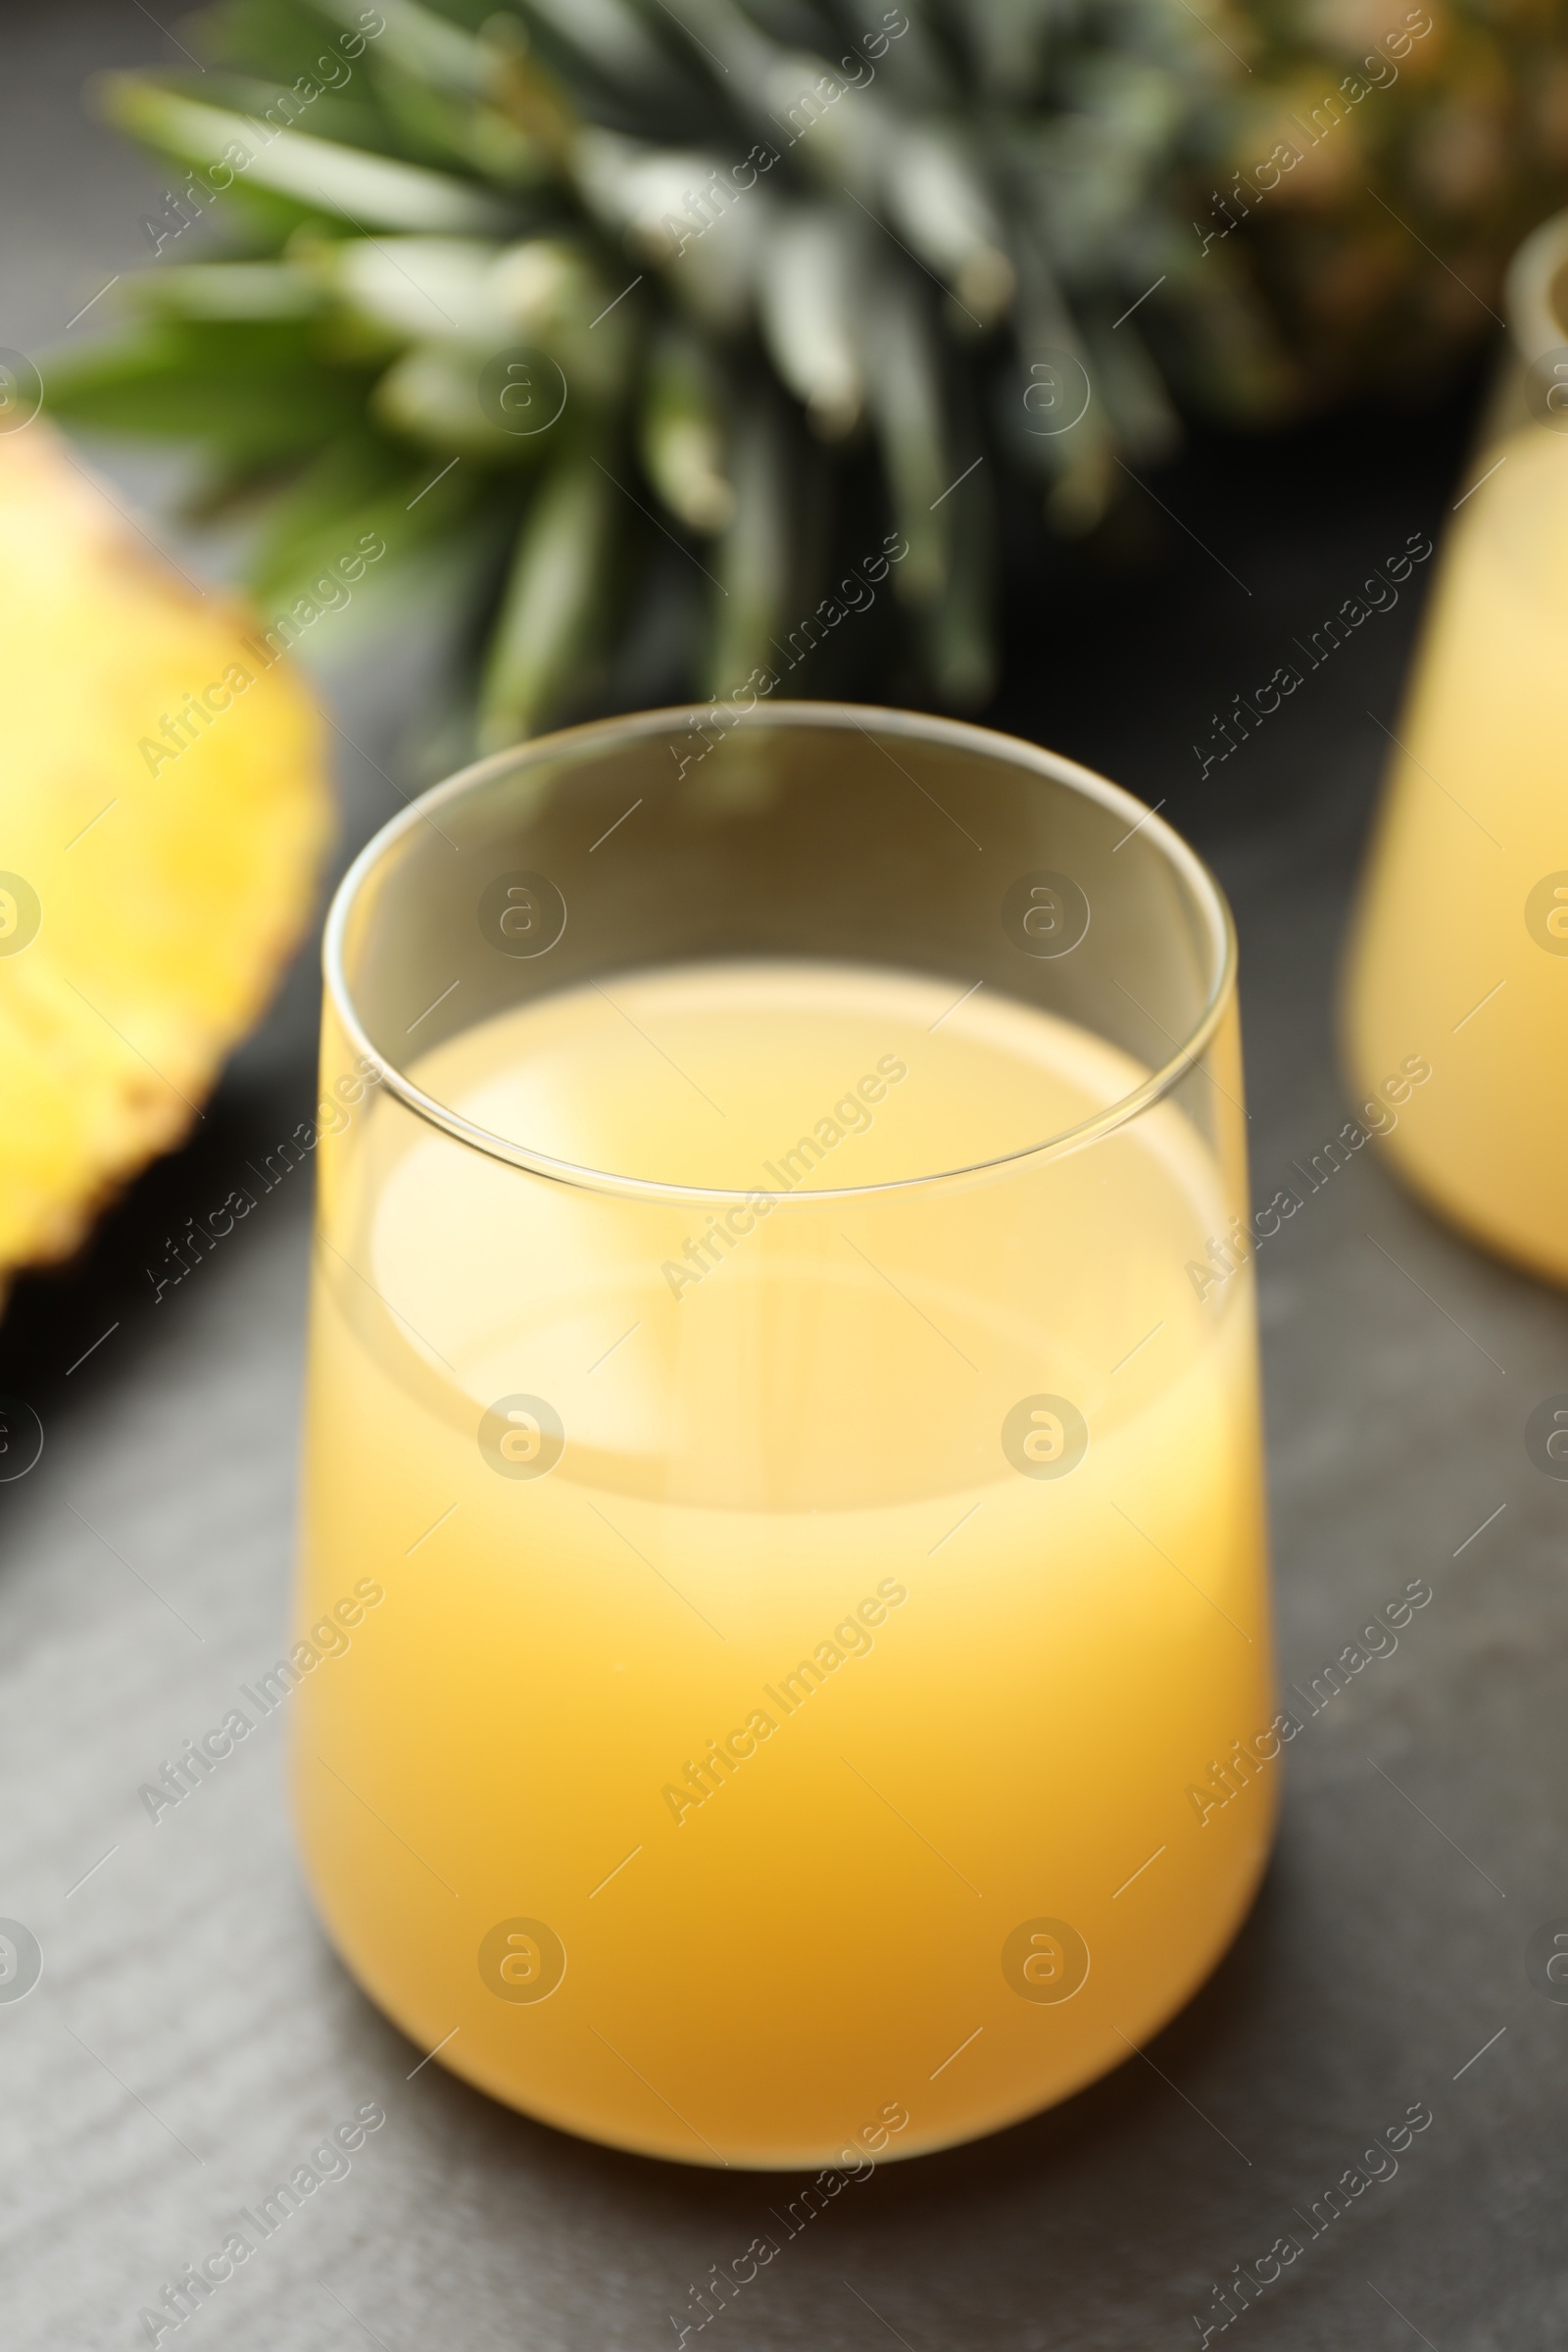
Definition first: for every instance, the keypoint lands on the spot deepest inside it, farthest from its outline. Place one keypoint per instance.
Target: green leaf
(440, 129)
(902, 363)
(756, 555)
(662, 204)
(610, 42)
(1050, 423)
(805, 295)
(939, 199)
(421, 45)
(248, 388)
(431, 394)
(553, 613)
(681, 432)
(419, 288)
(330, 501)
(266, 37)
(960, 629)
(485, 299)
(339, 182)
(227, 290)
(358, 496)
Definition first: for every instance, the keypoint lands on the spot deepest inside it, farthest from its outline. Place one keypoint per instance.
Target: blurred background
(620, 345)
(1062, 367)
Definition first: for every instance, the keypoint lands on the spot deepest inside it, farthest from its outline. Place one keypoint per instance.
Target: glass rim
(962, 735)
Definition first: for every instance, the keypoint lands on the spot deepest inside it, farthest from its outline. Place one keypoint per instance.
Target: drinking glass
(1458, 965)
(782, 1633)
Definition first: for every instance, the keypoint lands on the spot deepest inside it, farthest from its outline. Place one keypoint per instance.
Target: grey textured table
(192, 2038)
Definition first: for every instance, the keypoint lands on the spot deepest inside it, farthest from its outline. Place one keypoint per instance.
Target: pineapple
(633, 329)
(163, 808)
(1430, 139)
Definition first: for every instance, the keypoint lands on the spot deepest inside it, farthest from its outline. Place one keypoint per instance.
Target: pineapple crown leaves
(688, 310)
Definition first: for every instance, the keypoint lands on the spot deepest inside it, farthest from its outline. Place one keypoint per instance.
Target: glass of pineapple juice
(781, 1450)
(1459, 953)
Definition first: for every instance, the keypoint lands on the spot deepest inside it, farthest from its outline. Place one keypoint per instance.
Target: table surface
(192, 2035)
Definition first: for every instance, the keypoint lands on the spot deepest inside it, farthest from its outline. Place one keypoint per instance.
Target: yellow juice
(1461, 947)
(812, 1694)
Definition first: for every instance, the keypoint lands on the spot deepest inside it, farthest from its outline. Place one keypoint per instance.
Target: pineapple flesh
(163, 810)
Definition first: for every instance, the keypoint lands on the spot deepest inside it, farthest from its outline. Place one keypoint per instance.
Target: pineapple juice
(1461, 945)
(806, 1617)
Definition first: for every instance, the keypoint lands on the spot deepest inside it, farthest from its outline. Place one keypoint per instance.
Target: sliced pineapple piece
(162, 809)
